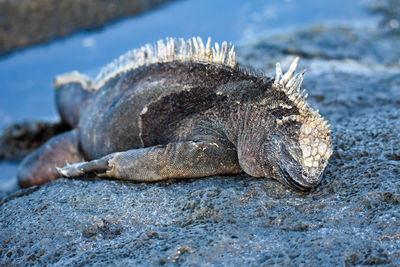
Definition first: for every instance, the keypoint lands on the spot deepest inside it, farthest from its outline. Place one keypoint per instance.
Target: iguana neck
(253, 128)
(247, 127)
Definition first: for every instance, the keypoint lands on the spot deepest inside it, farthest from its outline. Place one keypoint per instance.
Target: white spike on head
(314, 132)
(278, 73)
(289, 74)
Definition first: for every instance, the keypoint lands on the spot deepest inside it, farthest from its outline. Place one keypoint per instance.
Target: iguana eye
(305, 174)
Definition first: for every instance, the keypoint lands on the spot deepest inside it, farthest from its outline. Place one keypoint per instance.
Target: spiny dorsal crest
(291, 84)
(73, 77)
(171, 49)
(314, 138)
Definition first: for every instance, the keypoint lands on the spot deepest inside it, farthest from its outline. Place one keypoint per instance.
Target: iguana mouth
(295, 183)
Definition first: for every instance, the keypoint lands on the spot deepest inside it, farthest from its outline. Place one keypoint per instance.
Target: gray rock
(352, 218)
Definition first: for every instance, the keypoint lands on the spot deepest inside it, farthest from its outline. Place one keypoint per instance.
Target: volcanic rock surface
(352, 218)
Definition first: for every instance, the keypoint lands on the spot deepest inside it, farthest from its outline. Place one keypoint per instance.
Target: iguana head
(298, 159)
(282, 137)
(299, 154)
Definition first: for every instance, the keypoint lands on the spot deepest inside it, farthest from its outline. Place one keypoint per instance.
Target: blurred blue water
(26, 76)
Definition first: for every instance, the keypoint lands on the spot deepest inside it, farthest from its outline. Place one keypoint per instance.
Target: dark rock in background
(352, 218)
(390, 14)
(28, 22)
(20, 139)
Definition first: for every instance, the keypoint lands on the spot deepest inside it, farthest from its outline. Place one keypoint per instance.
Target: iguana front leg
(174, 160)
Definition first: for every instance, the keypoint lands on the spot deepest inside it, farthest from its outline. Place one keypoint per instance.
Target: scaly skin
(179, 117)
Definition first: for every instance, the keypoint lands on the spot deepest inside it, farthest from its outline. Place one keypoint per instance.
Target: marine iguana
(183, 109)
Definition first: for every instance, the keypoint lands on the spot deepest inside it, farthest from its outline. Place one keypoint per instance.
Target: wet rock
(352, 218)
(27, 22)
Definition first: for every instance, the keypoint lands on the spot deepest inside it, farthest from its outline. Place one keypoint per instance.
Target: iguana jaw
(287, 179)
(282, 161)
(299, 177)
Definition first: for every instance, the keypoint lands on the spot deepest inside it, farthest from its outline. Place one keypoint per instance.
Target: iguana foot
(97, 167)
(39, 167)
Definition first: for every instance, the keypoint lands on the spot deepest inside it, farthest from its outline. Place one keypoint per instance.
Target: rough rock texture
(352, 218)
(27, 22)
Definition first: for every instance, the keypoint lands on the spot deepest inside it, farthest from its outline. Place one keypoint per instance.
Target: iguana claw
(71, 170)
(98, 167)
